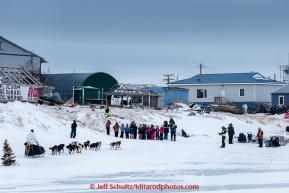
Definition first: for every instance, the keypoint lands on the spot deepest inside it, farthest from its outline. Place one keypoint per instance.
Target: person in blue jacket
(127, 131)
(173, 129)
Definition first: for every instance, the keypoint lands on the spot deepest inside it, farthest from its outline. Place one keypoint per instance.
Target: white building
(12, 55)
(238, 88)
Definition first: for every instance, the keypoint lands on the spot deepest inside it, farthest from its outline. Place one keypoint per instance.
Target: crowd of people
(144, 131)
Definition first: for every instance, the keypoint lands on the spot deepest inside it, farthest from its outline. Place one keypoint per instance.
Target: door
(78, 97)
(223, 95)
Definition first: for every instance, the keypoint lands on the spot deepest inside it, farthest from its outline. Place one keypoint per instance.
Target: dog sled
(276, 141)
(34, 151)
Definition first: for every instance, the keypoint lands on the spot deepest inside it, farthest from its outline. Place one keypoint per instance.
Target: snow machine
(34, 151)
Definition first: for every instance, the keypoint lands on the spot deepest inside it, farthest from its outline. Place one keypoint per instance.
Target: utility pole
(201, 66)
(168, 77)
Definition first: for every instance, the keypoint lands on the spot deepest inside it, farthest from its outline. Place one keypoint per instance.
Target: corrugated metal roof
(63, 83)
(162, 89)
(282, 90)
(252, 77)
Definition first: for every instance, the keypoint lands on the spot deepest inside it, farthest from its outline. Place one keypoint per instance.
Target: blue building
(280, 96)
(172, 94)
(238, 88)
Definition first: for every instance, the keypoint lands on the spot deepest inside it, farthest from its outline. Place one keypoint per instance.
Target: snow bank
(196, 160)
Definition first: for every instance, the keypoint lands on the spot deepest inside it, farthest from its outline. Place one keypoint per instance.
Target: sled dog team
(78, 147)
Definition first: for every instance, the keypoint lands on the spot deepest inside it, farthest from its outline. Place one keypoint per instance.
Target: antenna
(284, 71)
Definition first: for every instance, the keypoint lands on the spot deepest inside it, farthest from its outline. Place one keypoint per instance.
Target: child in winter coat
(157, 133)
(144, 132)
(140, 132)
(166, 129)
(127, 131)
(148, 132)
(122, 129)
(153, 132)
(162, 133)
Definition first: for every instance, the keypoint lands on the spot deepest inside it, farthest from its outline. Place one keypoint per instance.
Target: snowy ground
(197, 160)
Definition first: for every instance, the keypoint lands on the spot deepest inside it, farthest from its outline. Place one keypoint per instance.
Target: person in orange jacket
(260, 137)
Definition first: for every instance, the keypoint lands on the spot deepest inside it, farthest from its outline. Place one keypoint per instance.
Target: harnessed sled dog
(95, 146)
(79, 147)
(86, 144)
(57, 149)
(71, 147)
(115, 145)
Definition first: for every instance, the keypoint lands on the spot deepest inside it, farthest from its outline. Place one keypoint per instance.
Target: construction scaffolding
(136, 95)
(19, 76)
(18, 84)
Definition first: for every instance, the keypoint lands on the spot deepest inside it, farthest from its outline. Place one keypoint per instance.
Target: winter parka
(127, 129)
(166, 127)
(162, 130)
(122, 128)
(116, 127)
(231, 130)
(173, 128)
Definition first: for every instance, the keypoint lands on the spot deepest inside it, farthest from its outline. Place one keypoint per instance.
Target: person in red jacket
(162, 133)
(260, 137)
(107, 126)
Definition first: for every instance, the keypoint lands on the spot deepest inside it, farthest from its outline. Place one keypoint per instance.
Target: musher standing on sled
(32, 139)
(224, 133)
(107, 112)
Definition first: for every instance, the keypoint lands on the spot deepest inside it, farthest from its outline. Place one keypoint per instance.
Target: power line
(216, 69)
(188, 70)
(130, 72)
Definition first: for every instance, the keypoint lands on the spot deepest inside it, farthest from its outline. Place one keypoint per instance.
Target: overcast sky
(138, 41)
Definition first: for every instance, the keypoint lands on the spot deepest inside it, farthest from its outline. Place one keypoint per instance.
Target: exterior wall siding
(275, 99)
(173, 95)
(263, 92)
(232, 92)
(20, 58)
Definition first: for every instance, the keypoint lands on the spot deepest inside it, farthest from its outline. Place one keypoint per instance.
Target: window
(281, 100)
(242, 92)
(1, 45)
(201, 93)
